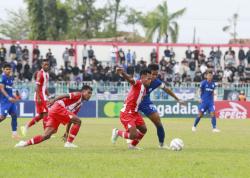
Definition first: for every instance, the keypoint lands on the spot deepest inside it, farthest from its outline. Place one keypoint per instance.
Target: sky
(208, 17)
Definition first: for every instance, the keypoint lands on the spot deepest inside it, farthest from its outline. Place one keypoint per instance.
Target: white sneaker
(194, 129)
(164, 147)
(129, 141)
(216, 130)
(21, 144)
(70, 145)
(114, 136)
(132, 147)
(24, 130)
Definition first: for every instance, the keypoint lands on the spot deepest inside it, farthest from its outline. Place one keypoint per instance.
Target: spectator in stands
(3, 53)
(13, 64)
(91, 53)
(248, 57)
(72, 54)
(49, 55)
(227, 75)
(130, 70)
(167, 52)
(27, 73)
(153, 56)
(192, 67)
(231, 51)
(129, 57)
(203, 68)
(84, 54)
(198, 76)
(202, 58)
(229, 59)
(13, 51)
(242, 96)
(25, 53)
(176, 68)
(65, 57)
(121, 56)
(134, 56)
(241, 56)
(113, 55)
(211, 57)
(172, 54)
(76, 74)
(196, 53)
(217, 57)
(36, 54)
(247, 74)
(18, 51)
(188, 53)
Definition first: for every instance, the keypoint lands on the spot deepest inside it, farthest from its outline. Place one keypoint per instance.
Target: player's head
(87, 92)
(153, 68)
(209, 76)
(7, 69)
(145, 77)
(45, 65)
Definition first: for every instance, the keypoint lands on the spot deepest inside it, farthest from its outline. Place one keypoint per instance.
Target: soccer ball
(176, 144)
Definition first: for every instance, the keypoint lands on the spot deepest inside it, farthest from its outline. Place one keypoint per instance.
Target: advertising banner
(232, 109)
(26, 109)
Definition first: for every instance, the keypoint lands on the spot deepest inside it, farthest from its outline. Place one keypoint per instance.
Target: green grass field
(206, 154)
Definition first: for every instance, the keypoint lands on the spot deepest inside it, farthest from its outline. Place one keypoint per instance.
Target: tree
(233, 21)
(162, 22)
(133, 17)
(16, 26)
(37, 19)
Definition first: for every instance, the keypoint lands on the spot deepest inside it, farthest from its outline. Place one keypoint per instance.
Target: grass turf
(206, 154)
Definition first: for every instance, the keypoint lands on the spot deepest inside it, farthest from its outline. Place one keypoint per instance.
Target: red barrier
(232, 109)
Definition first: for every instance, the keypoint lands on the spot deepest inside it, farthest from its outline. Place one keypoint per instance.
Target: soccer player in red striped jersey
(63, 111)
(129, 115)
(41, 97)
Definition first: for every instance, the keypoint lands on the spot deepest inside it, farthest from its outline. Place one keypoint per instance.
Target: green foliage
(16, 26)
(162, 23)
(205, 154)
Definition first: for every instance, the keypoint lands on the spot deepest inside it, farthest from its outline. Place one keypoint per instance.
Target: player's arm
(171, 93)
(2, 90)
(124, 75)
(58, 98)
(65, 136)
(38, 88)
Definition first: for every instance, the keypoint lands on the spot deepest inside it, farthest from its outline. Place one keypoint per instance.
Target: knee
(79, 122)
(144, 130)
(133, 135)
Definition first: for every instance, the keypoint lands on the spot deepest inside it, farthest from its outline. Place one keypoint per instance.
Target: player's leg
(3, 111)
(73, 131)
(13, 114)
(202, 109)
(213, 118)
(141, 131)
(37, 139)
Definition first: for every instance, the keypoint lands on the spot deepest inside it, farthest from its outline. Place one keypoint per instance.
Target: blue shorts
(203, 107)
(147, 109)
(7, 108)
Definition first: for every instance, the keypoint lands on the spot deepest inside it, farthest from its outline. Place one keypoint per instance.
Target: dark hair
(6, 65)
(87, 87)
(153, 67)
(45, 60)
(209, 72)
(144, 72)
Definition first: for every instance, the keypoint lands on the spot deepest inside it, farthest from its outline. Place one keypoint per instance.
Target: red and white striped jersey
(42, 79)
(134, 98)
(73, 103)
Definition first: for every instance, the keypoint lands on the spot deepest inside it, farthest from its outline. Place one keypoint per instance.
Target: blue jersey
(146, 106)
(207, 91)
(7, 81)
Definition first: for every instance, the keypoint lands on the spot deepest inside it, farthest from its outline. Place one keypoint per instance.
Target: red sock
(35, 140)
(33, 121)
(73, 132)
(123, 134)
(138, 139)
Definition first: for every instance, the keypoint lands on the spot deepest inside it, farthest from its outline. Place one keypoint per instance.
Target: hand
(64, 137)
(11, 99)
(119, 71)
(50, 102)
(184, 103)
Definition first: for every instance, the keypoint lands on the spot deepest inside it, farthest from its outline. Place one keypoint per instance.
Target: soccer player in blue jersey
(148, 108)
(207, 88)
(7, 99)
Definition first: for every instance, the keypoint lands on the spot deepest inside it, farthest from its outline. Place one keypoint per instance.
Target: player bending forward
(129, 115)
(63, 111)
(207, 102)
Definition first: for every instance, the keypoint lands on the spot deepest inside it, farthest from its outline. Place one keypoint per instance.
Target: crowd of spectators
(227, 67)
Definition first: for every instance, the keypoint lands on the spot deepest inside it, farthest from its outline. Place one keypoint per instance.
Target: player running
(207, 101)
(63, 111)
(149, 109)
(41, 97)
(129, 115)
(7, 99)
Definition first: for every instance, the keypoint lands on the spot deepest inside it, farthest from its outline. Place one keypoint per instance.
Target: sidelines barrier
(170, 109)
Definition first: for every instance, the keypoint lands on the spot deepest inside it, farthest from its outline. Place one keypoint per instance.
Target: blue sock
(213, 121)
(161, 134)
(14, 122)
(197, 120)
